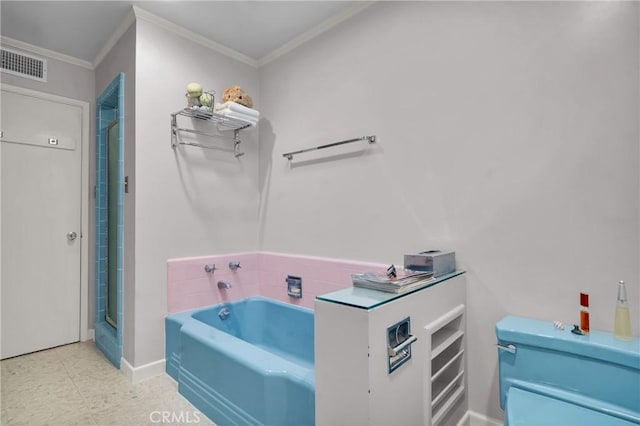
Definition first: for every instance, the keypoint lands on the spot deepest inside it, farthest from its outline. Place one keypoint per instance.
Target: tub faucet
(234, 266)
(224, 285)
(209, 268)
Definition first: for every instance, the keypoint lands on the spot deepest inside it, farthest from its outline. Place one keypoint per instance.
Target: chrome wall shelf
(222, 122)
(289, 155)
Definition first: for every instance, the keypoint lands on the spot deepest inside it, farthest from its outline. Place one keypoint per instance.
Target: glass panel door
(111, 296)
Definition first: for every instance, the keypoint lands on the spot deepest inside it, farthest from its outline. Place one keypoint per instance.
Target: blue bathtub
(252, 366)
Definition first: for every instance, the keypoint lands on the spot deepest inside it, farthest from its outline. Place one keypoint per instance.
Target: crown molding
(138, 13)
(190, 35)
(7, 41)
(315, 31)
(128, 20)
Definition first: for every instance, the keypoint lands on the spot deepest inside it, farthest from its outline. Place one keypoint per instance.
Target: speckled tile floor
(76, 385)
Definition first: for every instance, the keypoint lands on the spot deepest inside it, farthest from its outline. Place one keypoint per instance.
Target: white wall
(75, 82)
(507, 132)
(63, 79)
(122, 58)
(189, 201)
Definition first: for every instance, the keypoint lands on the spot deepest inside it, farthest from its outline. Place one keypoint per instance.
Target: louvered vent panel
(24, 65)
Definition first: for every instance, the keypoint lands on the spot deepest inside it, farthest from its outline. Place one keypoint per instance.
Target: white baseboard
(91, 335)
(472, 418)
(144, 372)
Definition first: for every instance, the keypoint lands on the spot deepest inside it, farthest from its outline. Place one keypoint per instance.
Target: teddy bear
(236, 94)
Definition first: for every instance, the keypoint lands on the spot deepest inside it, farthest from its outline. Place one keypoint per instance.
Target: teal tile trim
(109, 106)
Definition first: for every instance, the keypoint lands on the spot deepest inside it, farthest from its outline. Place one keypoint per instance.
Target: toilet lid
(529, 408)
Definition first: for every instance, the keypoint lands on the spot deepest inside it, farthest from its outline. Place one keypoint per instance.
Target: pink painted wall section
(263, 274)
(319, 275)
(189, 286)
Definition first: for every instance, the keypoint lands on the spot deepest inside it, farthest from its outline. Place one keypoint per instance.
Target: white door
(41, 223)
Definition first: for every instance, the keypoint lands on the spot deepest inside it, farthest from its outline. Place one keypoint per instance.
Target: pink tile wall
(264, 274)
(189, 286)
(319, 275)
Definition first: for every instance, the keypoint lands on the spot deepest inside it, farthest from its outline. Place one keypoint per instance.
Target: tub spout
(224, 285)
(223, 314)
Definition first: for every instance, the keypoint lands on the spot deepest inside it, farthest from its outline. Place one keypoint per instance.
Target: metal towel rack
(370, 139)
(223, 123)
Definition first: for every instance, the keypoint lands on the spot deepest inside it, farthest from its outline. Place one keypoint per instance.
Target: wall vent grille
(23, 65)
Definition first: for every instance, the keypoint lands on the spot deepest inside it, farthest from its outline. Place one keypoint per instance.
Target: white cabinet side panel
(341, 359)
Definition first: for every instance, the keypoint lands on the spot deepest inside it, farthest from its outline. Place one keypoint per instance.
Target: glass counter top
(365, 298)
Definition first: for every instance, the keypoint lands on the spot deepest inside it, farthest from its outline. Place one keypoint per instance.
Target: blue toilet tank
(553, 376)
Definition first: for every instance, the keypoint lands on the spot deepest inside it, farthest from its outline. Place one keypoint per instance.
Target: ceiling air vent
(23, 65)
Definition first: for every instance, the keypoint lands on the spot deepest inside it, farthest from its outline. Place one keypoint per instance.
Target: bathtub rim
(223, 304)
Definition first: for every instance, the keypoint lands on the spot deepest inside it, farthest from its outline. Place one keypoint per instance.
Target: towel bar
(370, 139)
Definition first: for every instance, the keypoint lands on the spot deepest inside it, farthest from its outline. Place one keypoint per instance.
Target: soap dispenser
(622, 325)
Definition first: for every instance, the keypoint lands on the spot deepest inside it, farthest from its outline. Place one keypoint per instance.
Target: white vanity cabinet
(363, 372)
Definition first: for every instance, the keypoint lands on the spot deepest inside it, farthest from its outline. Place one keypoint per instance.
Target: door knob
(72, 236)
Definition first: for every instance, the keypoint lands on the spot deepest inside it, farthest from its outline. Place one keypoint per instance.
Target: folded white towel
(239, 116)
(252, 121)
(236, 107)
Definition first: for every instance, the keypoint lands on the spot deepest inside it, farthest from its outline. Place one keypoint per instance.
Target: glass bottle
(584, 312)
(622, 323)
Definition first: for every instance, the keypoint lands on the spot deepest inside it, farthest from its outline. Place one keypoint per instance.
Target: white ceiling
(82, 28)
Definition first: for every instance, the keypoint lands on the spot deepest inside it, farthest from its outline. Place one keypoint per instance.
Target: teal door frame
(109, 109)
